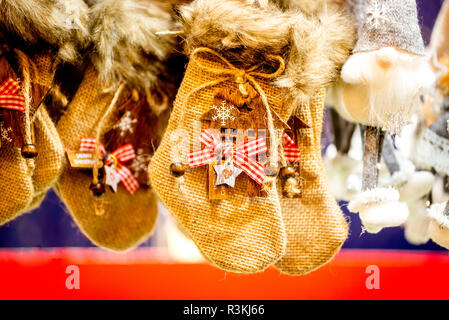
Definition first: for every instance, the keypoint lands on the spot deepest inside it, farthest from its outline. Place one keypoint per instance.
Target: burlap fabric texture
(126, 220)
(240, 234)
(48, 163)
(25, 181)
(316, 228)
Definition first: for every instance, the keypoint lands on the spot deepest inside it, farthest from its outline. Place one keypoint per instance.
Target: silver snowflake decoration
(5, 133)
(223, 113)
(377, 15)
(140, 163)
(126, 124)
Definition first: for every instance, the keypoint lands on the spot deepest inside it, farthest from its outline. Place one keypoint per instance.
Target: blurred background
(51, 226)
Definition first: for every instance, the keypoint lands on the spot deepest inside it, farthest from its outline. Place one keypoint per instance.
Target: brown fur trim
(321, 44)
(58, 24)
(314, 46)
(236, 29)
(125, 45)
(308, 7)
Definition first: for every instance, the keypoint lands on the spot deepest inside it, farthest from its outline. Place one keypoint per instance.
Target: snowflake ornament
(377, 15)
(223, 113)
(140, 163)
(126, 124)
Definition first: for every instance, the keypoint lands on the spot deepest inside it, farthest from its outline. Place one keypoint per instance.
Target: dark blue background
(52, 226)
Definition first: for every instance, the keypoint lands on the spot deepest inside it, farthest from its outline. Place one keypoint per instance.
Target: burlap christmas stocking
(31, 152)
(124, 220)
(321, 40)
(316, 227)
(15, 172)
(29, 134)
(116, 117)
(212, 169)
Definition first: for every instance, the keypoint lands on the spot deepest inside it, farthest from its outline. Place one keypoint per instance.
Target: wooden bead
(177, 169)
(287, 172)
(98, 189)
(29, 151)
(271, 171)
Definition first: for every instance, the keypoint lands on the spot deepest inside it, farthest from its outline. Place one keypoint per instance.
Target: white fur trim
(436, 213)
(371, 197)
(381, 215)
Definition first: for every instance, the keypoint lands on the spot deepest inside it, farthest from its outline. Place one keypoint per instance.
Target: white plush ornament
(417, 185)
(379, 208)
(411, 184)
(417, 226)
(439, 225)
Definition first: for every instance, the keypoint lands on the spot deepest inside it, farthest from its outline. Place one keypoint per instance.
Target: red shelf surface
(149, 274)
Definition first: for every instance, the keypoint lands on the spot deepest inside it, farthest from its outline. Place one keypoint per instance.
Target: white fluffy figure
(381, 88)
(379, 208)
(417, 226)
(411, 184)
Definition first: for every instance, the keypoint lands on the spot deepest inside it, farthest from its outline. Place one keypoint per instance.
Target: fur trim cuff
(373, 196)
(314, 47)
(126, 47)
(58, 24)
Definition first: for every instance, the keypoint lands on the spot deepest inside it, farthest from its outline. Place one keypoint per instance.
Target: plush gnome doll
(114, 122)
(35, 37)
(380, 88)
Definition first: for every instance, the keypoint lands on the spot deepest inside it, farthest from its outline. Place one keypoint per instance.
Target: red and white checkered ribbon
(240, 154)
(122, 154)
(291, 151)
(10, 98)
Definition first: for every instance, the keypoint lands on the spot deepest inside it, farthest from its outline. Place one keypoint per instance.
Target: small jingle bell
(287, 172)
(177, 169)
(271, 171)
(29, 151)
(98, 189)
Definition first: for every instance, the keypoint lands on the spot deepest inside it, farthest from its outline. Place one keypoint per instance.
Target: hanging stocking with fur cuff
(32, 48)
(33, 176)
(120, 105)
(315, 226)
(225, 199)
